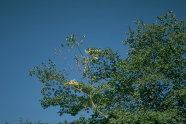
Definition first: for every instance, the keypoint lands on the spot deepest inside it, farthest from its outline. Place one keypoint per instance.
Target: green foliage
(38, 122)
(147, 87)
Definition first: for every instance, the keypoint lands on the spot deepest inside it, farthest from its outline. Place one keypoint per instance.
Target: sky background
(31, 29)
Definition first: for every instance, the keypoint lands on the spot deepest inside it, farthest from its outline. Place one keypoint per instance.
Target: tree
(146, 87)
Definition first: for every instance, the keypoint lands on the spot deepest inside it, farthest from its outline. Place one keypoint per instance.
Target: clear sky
(31, 29)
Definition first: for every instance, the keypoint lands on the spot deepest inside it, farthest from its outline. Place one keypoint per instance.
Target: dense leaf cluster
(146, 87)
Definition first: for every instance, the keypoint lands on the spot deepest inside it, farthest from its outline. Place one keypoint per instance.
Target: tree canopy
(146, 87)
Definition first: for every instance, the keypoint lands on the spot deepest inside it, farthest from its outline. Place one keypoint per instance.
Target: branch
(78, 48)
(96, 107)
(92, 102)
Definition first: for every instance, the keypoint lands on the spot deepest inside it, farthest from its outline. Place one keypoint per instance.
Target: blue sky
(31, 29)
